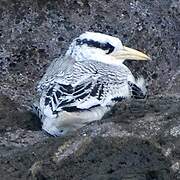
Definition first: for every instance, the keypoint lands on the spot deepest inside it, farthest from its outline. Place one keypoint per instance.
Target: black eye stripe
(91, 43)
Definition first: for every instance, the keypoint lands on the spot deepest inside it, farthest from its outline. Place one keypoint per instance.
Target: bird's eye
(91, 43)
(78, 42)
(109, 48)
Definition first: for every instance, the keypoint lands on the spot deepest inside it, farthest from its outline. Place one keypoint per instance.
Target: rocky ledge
(136, 140)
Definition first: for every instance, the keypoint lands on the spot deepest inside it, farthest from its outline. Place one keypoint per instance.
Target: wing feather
(137, 93)
(90, 84)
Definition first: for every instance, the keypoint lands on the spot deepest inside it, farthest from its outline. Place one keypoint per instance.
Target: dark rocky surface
(137, 140)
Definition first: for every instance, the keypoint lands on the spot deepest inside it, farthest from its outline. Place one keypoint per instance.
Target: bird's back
(86, 88)
(94, 80)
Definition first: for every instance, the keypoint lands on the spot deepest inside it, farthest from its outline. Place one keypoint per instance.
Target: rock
(13, 116)
(137, 140)
(32, 34)
(110, 158)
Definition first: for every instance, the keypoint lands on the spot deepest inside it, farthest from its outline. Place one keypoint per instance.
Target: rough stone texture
(33, 33)
(137, 140)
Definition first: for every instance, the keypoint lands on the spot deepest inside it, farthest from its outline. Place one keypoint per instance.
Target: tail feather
(36, 110)
(138, 90)
(140, 82)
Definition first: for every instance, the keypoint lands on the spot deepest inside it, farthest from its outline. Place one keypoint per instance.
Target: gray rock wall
(33, 33)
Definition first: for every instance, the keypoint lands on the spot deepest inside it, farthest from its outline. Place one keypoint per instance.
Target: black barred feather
(137, 93)
(88, 85)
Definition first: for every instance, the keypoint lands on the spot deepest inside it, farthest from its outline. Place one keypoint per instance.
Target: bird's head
(103, 48)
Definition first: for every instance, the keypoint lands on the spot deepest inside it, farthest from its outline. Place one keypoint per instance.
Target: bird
(82, 85)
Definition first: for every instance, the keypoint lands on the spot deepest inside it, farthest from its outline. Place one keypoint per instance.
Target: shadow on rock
(13, 116)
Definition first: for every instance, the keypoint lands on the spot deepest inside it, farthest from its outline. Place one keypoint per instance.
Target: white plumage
(86, 82)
